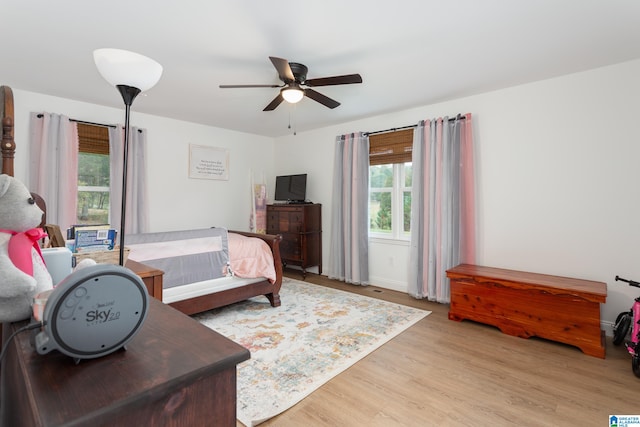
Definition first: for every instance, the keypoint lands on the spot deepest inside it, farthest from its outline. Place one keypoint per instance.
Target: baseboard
(607, 327)
(388, 284)
(384, 283)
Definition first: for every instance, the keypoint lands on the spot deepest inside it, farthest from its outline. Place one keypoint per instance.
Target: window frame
(392, 148)
(92, 139)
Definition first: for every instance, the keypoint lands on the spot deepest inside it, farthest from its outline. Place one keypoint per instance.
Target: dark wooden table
(175, 372)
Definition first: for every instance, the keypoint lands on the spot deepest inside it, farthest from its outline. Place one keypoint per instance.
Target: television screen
(291, 188)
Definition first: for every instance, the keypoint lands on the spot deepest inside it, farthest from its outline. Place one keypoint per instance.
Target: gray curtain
(53, 166)
(349, 248)
(137, 208)
(442, 205)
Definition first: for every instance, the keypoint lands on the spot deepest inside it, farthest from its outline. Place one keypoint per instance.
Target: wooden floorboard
(445, 373)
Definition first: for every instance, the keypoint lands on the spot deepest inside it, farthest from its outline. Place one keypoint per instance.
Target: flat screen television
(291, 188)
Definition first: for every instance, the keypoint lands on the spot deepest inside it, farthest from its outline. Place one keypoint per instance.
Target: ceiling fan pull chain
(294, 119)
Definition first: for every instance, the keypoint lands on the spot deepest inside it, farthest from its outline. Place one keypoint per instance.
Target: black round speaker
(93, 312)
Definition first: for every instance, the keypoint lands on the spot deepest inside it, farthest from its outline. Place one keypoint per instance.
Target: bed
(194, 297)
(212, 267)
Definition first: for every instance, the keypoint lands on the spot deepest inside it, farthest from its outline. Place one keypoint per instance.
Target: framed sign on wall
(208, 162)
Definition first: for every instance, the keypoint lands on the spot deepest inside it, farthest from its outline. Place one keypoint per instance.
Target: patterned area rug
(317, 333)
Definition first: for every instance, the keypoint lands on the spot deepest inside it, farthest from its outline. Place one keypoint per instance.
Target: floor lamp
(131, 74)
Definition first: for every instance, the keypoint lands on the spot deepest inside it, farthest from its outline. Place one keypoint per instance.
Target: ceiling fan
(294, 77)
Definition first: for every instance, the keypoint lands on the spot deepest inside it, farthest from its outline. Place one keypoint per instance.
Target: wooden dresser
(527, 304)
(175, 372)
(301, 228)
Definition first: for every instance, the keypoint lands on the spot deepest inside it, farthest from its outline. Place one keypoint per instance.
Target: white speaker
(58, 262)
(93, 312)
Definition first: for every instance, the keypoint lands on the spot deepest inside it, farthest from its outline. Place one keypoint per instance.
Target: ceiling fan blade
(284, 70)
(322, 99)
(336, 80)
(273, 104)
(241, 86)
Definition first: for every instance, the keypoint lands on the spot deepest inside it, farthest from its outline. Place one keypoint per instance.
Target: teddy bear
(23, 272)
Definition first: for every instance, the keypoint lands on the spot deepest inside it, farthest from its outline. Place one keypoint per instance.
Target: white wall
(556, 174)
(557, 178)
(176, 201)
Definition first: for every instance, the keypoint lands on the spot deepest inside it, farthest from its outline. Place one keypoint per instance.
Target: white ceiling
(409, 52)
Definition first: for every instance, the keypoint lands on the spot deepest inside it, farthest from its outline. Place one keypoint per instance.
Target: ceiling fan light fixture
(292, 94)
(293, 75)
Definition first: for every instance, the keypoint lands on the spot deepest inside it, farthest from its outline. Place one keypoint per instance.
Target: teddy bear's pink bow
(20, 246)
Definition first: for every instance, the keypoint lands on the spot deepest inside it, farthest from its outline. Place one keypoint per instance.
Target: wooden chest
(526, 304)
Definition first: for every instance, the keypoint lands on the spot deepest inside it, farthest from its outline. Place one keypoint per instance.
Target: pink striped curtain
(349, 248)
(53, 168)
(442, 205)
(137, 205)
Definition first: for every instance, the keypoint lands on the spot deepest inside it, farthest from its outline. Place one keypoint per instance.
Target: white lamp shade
(121, 67)
(292, 94)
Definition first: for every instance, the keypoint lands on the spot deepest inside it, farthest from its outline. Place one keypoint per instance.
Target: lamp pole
(128, 93)
(131, 73)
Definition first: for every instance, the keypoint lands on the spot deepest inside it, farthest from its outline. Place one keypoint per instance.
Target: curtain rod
(85, 123)
(406, 127)
(90, 123)
(389, 130)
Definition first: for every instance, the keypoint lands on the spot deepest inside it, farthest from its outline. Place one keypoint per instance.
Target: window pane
(93, 188)
(381, 183)
(93, 170)
(406, 196)
(380, 212)
(381, 176)
(408, 174)
(93, 206)
(406, 202)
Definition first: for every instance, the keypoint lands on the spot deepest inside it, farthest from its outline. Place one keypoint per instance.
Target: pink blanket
(250, 257)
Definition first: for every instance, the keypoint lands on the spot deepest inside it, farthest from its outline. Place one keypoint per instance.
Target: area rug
(317, 333)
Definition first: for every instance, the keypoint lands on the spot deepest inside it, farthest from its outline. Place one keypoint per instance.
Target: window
(93, 174)
(390, 175)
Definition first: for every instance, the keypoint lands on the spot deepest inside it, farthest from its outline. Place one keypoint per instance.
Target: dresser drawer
(290, 247)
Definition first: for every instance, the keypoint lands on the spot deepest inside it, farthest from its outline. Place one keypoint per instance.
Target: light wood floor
(445, 373)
